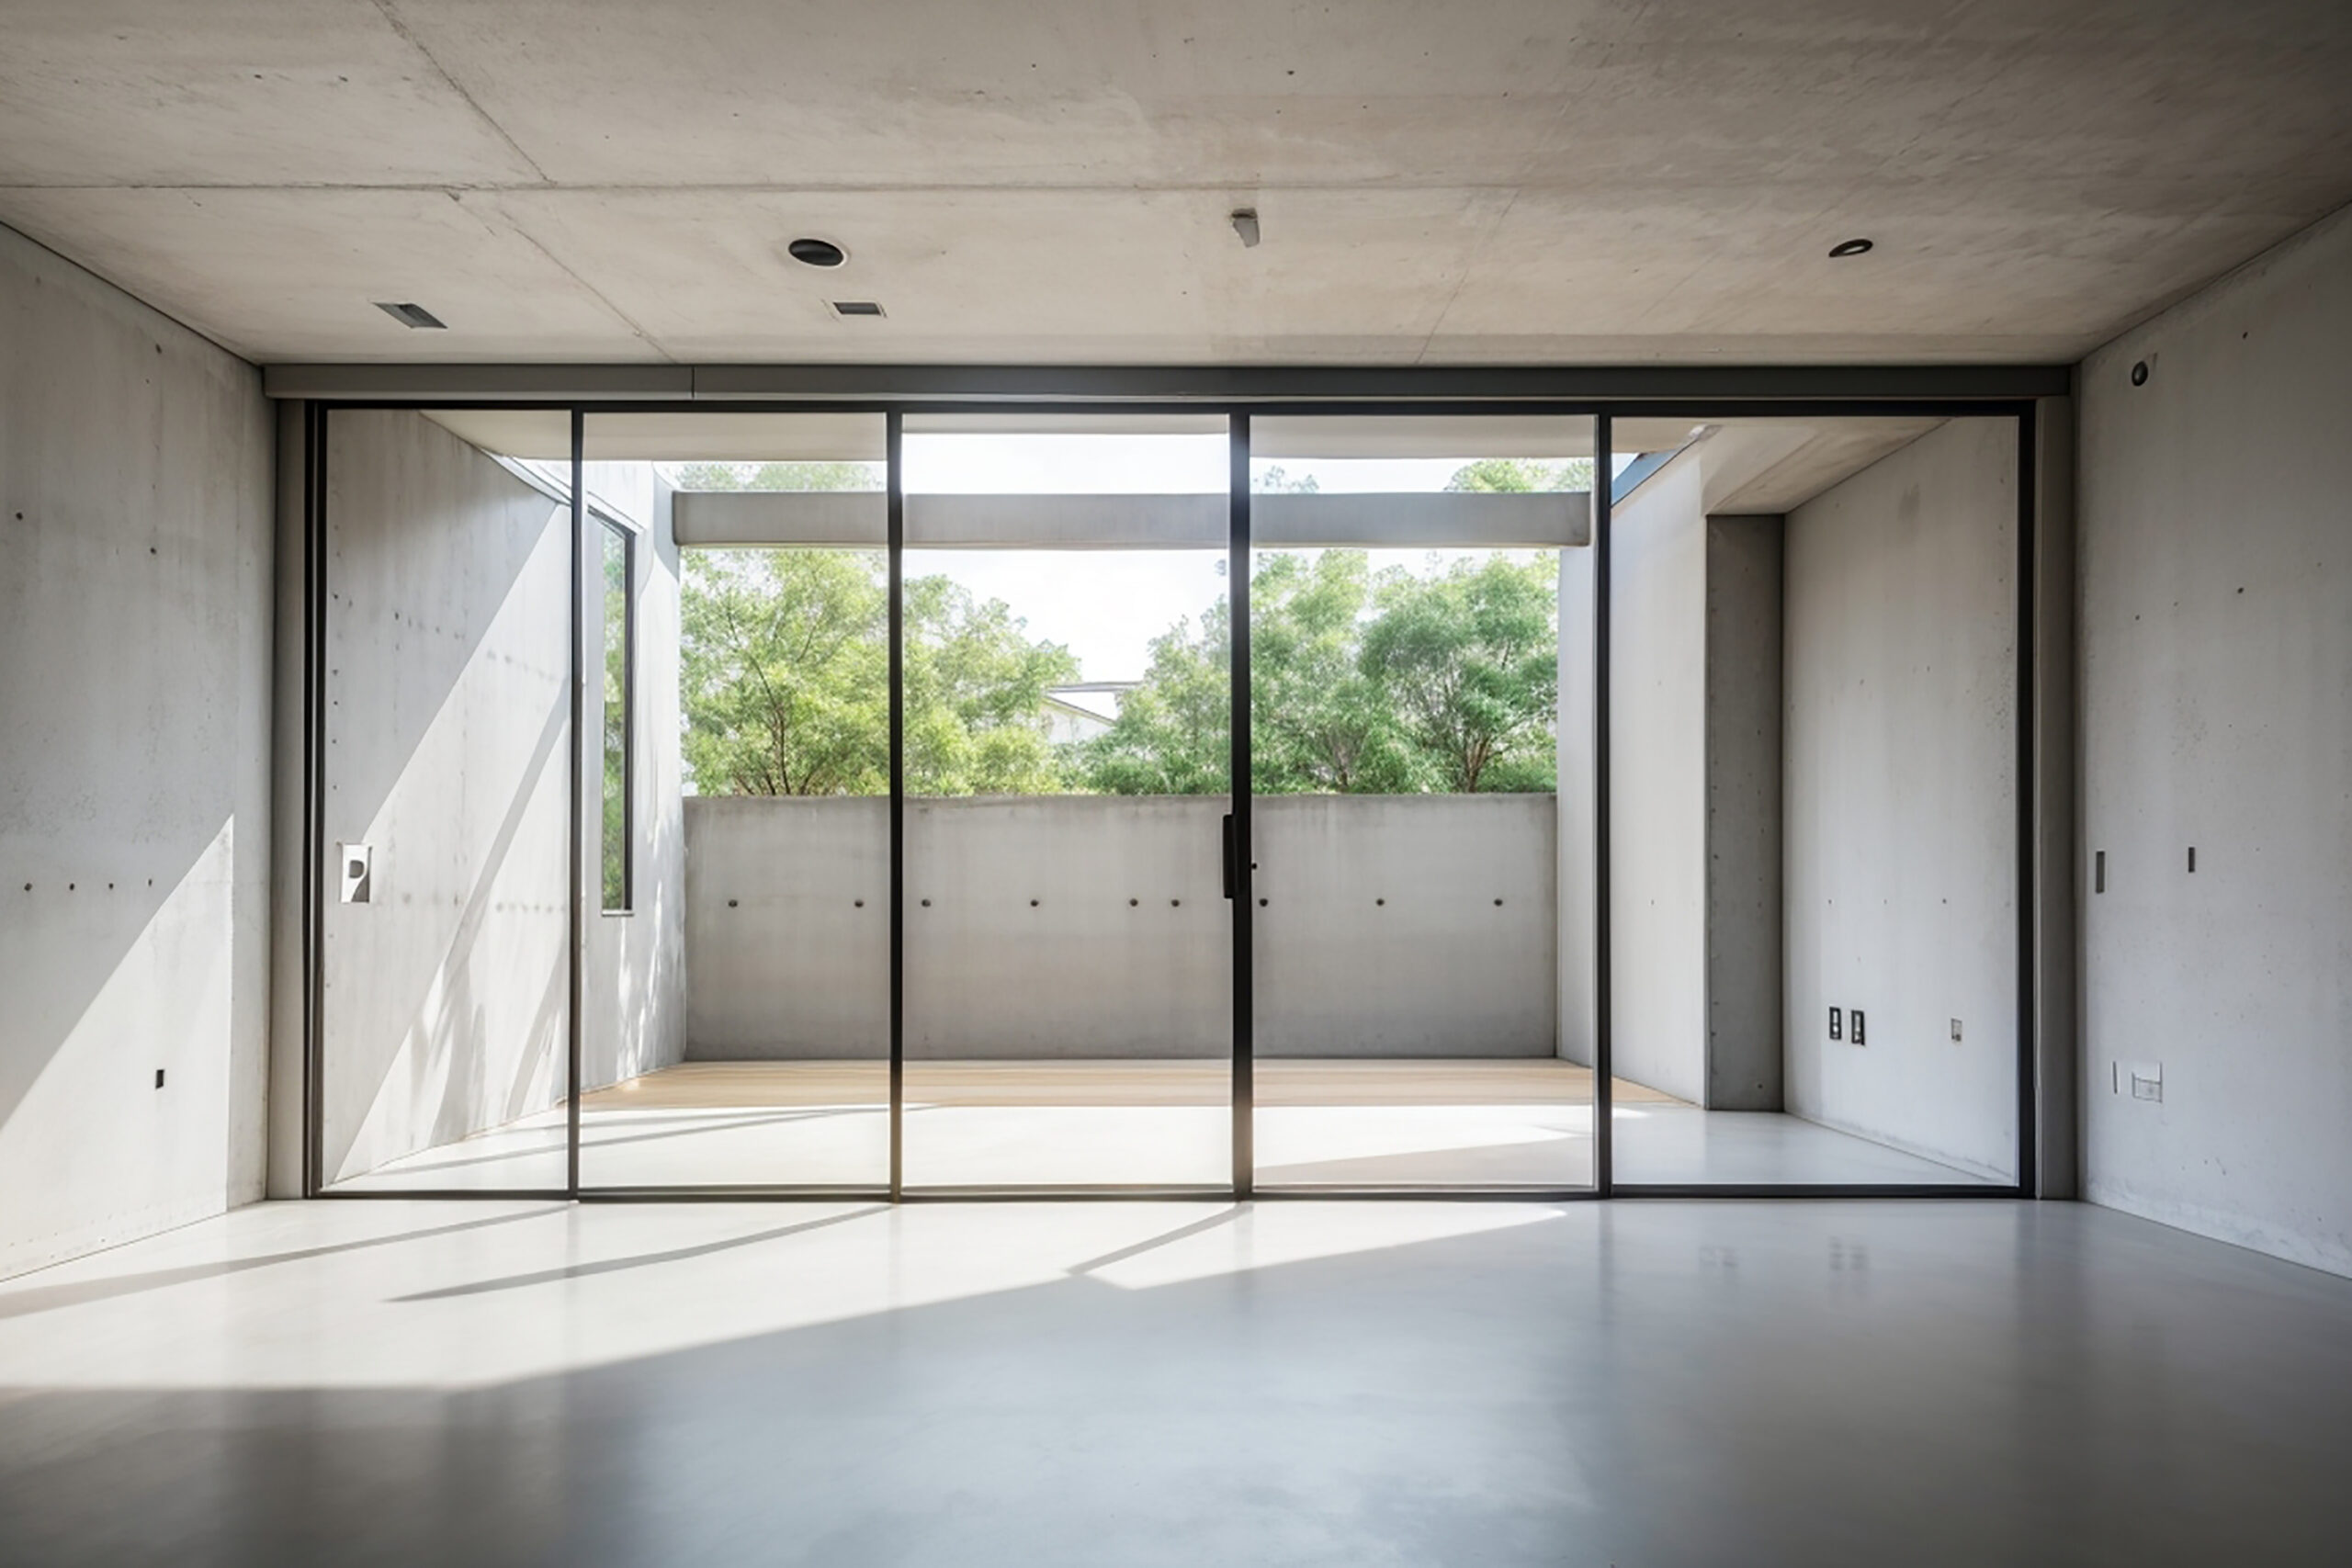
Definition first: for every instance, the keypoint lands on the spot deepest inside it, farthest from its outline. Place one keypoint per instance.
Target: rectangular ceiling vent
(857, 308)
(410, 314)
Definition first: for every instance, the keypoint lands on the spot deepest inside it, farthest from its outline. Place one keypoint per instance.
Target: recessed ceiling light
(818, 253)
(857, 308)
(410, 314)
(1850, 248)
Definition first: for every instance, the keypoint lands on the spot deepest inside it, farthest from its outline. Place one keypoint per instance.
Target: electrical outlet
(2147, 1080)
(1857, 1028)
(1955, 1030)
(1837, 1023)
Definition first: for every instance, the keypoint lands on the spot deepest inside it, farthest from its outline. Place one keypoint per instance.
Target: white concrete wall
(1380, 934)
(1083, 973)
(633, 969)
(2216, 647)
(1414, 925)
(1900, 828)
(1656, 772)
(448, 673)
(787, 924)
(1577, 860)
(135, 618)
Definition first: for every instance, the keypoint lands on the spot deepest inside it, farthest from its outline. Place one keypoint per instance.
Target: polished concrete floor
(1646, 1383)
(1378, 1123)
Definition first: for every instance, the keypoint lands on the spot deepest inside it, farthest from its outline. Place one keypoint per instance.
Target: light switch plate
(359, 865)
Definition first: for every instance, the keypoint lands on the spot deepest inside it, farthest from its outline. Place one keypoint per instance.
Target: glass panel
(1068, 952)
(619, 660)
(445, 963)
(1814, 791)
(1420, 621)
(735, 1032)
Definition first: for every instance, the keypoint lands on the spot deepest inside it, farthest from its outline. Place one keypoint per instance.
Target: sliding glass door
(1817, 935)
(735, 998)
(1066, 698)
(1420, 621)
(443, 725)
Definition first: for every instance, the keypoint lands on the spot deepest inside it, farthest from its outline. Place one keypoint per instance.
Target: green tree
(1172, 733)
(784, 674)
(1470, 659)
(976, 696)
(1319, 723)
(1516, 475)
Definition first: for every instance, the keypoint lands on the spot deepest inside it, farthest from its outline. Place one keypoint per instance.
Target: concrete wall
(135, 613)
(1380, 934)
(2216, 645)
(1900, 827)
(1577, 859)
(448, 673)
(633, 967)
(1407, 925)
(787, 928)
(1695, 793)
(1656, 772)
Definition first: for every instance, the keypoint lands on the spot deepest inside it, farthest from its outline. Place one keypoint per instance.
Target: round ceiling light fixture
(817, 253)
(1849, 248)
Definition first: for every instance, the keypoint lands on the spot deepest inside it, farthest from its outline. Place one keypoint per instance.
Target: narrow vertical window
(620, 661)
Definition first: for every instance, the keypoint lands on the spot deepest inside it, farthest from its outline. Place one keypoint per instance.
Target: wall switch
(358, 862)
(159, 1078)
(1837, 1023)
(1955, 1029)
(1857, 1028)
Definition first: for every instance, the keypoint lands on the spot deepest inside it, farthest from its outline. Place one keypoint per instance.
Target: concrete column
(2057, 990)
(1742, 762)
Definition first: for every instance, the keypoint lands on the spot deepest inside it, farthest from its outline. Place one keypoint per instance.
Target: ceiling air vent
(410, 314)
(857, 308)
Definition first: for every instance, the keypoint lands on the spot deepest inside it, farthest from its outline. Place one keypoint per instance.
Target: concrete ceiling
(1524, 181)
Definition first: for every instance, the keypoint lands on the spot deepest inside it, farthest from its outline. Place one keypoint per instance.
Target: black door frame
(1946, 392)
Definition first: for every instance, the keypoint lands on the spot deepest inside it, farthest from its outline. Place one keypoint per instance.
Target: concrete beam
(857, 520)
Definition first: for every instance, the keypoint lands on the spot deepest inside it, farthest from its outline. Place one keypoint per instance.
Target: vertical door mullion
(894, 438)
(2027, 791)
(579, 740)
(1604, 485)
(1238, 792)
(314, 795)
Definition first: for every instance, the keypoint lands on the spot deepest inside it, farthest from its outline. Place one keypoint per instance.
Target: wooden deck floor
(1282, 1082)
